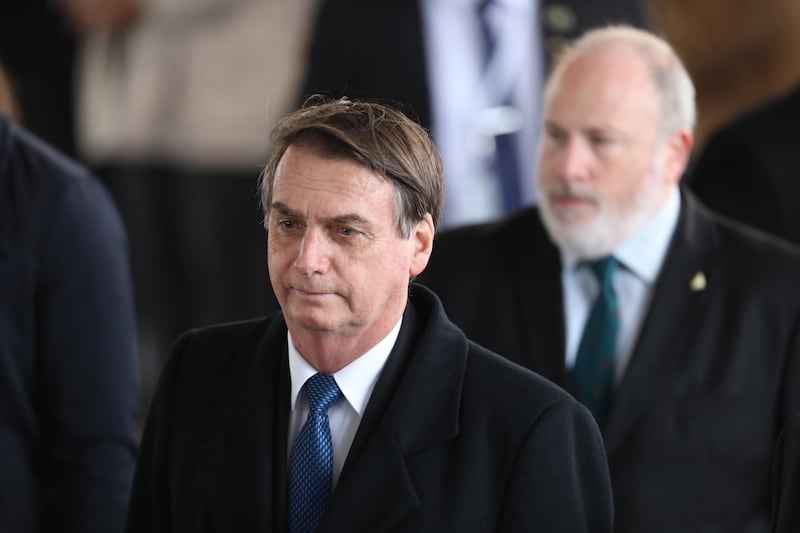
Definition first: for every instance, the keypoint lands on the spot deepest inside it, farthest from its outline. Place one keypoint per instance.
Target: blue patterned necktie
(311, 463)
(594, 367)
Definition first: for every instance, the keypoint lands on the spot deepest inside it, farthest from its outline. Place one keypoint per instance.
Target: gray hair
(672, 81)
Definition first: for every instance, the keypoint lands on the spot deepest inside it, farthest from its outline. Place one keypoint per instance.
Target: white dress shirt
(356, 382)
(640, 259)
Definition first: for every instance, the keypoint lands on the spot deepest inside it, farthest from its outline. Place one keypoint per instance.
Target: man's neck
(329, 352)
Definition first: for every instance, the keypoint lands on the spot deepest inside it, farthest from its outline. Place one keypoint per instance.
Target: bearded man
(678, 329)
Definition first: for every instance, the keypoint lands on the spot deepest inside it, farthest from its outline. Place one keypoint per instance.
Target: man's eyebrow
(552, 125)
(347, 218)
(284, 209)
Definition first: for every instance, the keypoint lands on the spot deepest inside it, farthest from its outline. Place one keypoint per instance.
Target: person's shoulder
(42, 160)
(36, 174)
(752, 255)
(511, 387)
(760, 133)
(523, 222)
(487, 243)
(216, 341)
(768, 250)
(219, 353)
(771, 117)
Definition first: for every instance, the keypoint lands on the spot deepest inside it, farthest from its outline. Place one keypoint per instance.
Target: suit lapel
(242, 466)
(672, 320)
(406, 413)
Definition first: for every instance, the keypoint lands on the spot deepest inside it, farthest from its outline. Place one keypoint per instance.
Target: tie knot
(603, 269)
(322, 391)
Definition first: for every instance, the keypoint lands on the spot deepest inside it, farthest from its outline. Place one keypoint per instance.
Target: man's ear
(678, 150)
(422, 238)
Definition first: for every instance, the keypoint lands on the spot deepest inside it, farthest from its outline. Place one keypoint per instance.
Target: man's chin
(312, 322)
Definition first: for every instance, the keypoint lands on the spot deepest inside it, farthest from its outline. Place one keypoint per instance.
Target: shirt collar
(355, 380)
(644, 252)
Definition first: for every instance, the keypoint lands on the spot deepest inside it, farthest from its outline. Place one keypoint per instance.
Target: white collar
(356, 380)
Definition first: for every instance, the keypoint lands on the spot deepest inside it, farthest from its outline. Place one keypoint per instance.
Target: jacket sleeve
(86, 362)
(561, 481)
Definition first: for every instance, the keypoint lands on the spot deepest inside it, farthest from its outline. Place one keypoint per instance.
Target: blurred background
(170, 102)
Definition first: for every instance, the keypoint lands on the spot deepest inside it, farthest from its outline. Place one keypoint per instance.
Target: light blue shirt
(356, 381)
(640, 258)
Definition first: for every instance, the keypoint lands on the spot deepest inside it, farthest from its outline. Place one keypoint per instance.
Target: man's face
(601, 172)
(337, 262)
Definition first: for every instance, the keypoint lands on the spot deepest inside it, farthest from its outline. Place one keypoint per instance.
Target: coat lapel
(406, 413)
(684, 287)
(242, 466)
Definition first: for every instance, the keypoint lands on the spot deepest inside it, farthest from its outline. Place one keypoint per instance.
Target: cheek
(279, 253)
(388, 267)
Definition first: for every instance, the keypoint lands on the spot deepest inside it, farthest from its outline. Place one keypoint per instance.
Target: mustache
(561, 188)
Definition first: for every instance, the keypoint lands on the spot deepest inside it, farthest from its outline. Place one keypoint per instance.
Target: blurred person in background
(738, 58)
(746, 66)
(69, 396)
(468, 70)
(175, 102)
(680, 329)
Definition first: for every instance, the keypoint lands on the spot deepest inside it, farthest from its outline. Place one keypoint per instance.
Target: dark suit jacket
(712, 376)
(454, 438)
(68, 379)
(375, 50)
(786, 479)
(750, 169)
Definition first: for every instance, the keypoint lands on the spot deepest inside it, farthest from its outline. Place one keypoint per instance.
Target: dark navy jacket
(68, 380)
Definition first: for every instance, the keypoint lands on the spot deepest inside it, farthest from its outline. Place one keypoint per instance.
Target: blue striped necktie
(593, 374)
(311, 462)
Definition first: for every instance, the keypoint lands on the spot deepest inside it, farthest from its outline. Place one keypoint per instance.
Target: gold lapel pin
(698, 282)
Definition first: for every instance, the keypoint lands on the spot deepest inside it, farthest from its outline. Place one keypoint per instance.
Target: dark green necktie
(593, 374)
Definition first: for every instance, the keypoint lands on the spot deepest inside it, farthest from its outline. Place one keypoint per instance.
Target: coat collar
(242, 466)
(406, 414)
(247, 445)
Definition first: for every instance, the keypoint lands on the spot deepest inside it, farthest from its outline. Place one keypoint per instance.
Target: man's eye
(556, 135)
(346, 231)
(286, 224)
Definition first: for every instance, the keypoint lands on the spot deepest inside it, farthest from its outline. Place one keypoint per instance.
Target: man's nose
(573, 161)
(313, 255)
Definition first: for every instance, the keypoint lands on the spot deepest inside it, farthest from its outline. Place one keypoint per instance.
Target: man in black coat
(423, 430)
(706, 360)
